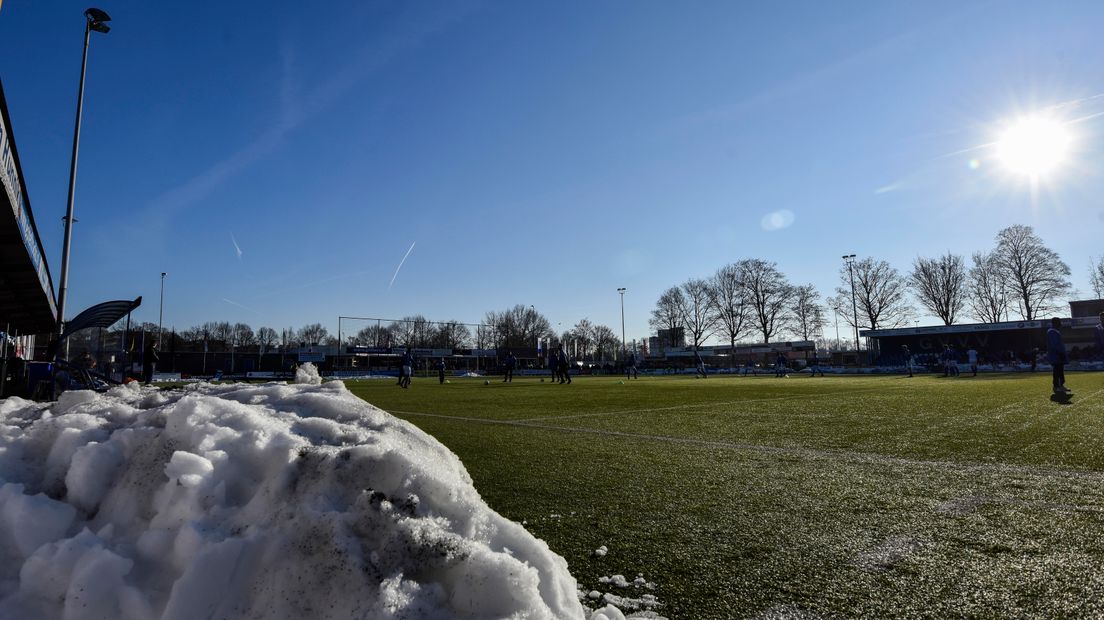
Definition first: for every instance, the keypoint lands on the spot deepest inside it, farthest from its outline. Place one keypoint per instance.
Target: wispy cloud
(295, 110)
(237, 248)
(242, 306)
(400, 265)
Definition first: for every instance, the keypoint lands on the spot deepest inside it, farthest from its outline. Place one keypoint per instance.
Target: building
(675, 337)
(996, 342)
(27, 303)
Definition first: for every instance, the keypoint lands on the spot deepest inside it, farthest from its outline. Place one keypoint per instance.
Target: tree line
(517, 327)
(1020, 276)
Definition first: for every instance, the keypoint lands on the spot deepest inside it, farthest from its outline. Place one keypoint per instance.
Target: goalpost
(381, 337)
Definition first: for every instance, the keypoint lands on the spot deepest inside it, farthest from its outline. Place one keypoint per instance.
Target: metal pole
(64, 286)
(338, 345)
(622, 291)
(836, 308)
(161, 312)
(854, 303)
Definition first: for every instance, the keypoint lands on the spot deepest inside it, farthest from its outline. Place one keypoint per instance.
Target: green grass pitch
(798, 497)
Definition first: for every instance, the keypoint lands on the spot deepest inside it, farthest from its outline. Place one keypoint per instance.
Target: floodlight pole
(836, 309)
(622, 292)
(161, 312)
(94, 19)
(850, 260)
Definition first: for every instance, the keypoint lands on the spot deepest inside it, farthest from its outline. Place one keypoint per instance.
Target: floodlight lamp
(97, 20)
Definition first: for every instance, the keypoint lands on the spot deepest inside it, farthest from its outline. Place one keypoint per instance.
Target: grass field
(797, 497)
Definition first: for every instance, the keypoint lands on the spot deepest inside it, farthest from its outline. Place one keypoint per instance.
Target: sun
(1035, 146)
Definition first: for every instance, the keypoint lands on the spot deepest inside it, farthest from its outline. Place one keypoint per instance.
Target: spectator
(908, 358)
(149, 361)
(1099, 332)
(1056, 355)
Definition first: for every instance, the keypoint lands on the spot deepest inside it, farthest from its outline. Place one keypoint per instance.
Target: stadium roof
(930, 330)
(952, 329)
(27, 303)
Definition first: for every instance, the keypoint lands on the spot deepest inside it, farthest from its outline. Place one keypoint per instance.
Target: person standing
(441, 371)
(972, 357)
(1056, 355)
(149, 362)
(950, 362)
(510, 362)
(407, 368)
(815, 367)
(780, 365)
(699, 364)
(907, 354)
(630, 367)
(553, 365)
(562, 366)
(1098, 331)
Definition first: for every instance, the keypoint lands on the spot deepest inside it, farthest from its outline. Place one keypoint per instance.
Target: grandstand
(1006, 343)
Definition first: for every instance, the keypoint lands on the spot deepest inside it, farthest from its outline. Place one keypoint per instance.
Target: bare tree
(667, 314)
(986, 292)
(880, 293)
(730, 302)
(808, 315)
(528, 324)
(605, 342)
(1035, 275)
(242, 335)
(192, 334)
(373, 336)
(410, 331)
(451, 335)
(519, 326)
(582, 334)
(287, 337)
(940, 285)
(697, 311)
(219, 330)
(313, 334)
(769, 295)
(266, 337)
(1096, 277)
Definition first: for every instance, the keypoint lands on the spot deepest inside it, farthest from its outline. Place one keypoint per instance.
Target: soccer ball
(486, 382)
(542, 379)
(447, 381)
(620, 383)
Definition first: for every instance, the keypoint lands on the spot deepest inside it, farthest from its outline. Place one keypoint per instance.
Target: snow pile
(258, 501)
(308, 374)
(646, 602)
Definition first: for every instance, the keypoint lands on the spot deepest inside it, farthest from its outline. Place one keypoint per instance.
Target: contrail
(400, 265)
(236, 247)
(243, 306)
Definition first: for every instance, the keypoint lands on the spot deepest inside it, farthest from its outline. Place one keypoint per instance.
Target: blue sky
(539, 153)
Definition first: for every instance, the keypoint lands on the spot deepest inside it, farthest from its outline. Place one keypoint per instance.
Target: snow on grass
(271, 500)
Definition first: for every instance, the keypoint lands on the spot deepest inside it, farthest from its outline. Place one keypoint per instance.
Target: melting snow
(273, 501)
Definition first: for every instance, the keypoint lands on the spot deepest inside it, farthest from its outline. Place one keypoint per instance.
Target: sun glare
(1035, 147)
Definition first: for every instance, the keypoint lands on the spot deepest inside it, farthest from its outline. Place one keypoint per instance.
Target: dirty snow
(255, 501)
